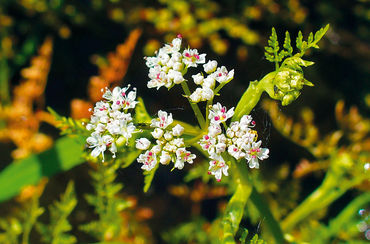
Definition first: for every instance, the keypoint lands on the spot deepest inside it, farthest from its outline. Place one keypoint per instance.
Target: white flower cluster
(169, 65)
(214, 73)
(239, 141)
(169, 145)
(165, 69)
(111, 121)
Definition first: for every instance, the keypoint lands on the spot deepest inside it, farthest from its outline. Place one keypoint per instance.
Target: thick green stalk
(327, 192)
(252, 95)
(342, 220)
(197, 112)
(265, 212)
(320, 198)
(235, 207)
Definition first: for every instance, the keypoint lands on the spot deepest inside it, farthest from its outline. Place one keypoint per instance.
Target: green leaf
(55, 231)
(65, 154)
(148, 177)
(128, 157)
(299, 41)
(320, 33)
(310, 38)
(69, 126)
(287, 44)
(272, 49)
(141, 115)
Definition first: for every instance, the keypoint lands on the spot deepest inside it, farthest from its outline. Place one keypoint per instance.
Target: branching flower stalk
(227, 144)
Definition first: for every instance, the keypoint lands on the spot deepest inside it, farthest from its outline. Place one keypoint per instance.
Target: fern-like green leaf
(56, 231)
(287, 44)
(319, 34)
(69, 126)
(272, 50)
(299, 41)
(106, 202)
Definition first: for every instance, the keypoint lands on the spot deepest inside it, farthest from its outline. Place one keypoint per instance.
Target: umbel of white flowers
(169, 65)
(239, 141)
(111, 121)
(169, 145)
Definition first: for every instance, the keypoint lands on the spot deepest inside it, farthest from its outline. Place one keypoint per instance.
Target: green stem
(342, 220)
(252, 95)
(327, 192)
(265, 212)
(235, 207)
(197, 112)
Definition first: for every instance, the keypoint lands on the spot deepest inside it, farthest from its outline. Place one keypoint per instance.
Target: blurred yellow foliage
(354, 128)
(198, 193)
(110, 74)
(22, 120)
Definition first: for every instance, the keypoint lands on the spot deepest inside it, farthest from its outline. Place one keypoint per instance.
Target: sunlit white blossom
(209, 81)
(196, 96)
(157, 133)
(254, 152)
(111, 121)
(210, 66)
(173, 47)
(219, 113)
(177, 130)
(217, 166)
(163, 120)
(182, 156)
(99, 143)
(222, 75)
(191, 57)
(198, 78)
(142, 144)
(165, 158)
(148, 159)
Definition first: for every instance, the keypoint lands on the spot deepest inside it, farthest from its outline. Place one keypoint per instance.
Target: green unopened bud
(290, 97)
(121, 141)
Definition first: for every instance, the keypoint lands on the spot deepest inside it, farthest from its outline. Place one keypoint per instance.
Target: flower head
(219, 113)
(163, 120)
(148, 159)
(254, 152)
(217, 166)
(191, 57)
(111, 121)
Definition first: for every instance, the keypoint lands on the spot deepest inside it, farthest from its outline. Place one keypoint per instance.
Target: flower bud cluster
(239, 141)
(214, 73)
(169, 144)
(288, 83)
(111, 123)
(166, 68)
